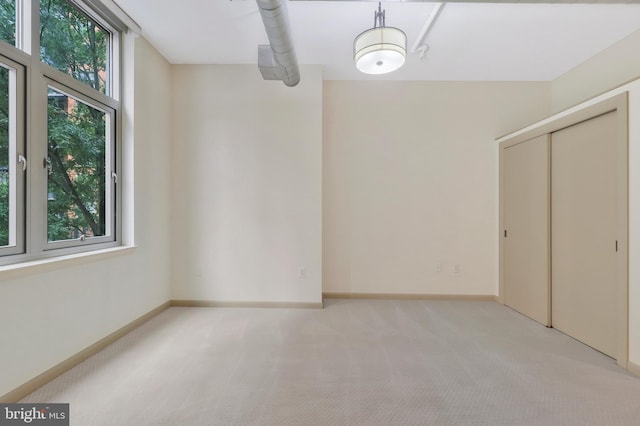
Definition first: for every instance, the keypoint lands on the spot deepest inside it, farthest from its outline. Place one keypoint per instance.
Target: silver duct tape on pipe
(283, 64)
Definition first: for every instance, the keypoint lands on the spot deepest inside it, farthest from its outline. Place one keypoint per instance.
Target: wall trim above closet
(618, 103)
(561, 120)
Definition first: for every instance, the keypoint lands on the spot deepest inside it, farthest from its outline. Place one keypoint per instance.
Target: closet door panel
(584, 224)
(525, 181)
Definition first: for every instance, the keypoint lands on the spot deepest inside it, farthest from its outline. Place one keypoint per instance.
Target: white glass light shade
(380, 50)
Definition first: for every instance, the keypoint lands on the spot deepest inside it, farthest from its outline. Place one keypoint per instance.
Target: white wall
(410, 180)
(618, 64)
(48, 314)
(247, 189)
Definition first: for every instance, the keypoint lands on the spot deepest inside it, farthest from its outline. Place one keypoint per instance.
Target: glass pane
(73, 43)
(76, 199)
(4, 157)
(8, 21)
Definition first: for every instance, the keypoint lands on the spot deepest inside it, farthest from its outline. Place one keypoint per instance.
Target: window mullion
(31, 27)
(37, 176)
(21, 152)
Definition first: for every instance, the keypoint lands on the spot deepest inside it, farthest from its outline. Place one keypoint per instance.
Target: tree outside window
(76, 198)
(4, 156)
(8, 21)
(81, 144)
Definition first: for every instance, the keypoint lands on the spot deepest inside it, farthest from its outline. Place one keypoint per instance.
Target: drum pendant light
(381, 49)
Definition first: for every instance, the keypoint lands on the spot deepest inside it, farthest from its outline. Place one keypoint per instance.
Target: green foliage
(8, 21)
(4, 214)
(74, 44)
(76, 171)
(4, 156)
(7, 34)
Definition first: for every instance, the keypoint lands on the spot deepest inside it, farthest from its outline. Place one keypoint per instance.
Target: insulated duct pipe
(277, 61)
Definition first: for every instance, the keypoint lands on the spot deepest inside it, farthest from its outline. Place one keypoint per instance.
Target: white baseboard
(42, 379)
(238, 304)
(411, 296)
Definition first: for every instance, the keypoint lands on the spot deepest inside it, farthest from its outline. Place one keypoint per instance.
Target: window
(73, 43)
(68, 147)
(78, 165)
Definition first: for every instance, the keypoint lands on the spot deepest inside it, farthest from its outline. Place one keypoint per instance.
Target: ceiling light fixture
(381, 49)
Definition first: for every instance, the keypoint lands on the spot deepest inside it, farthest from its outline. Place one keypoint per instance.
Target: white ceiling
(469, 41)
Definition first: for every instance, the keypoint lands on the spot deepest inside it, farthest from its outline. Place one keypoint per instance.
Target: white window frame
(38, 76)
(16, 154)
(110, 170)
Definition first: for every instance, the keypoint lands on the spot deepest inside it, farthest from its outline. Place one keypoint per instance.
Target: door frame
(618, 103)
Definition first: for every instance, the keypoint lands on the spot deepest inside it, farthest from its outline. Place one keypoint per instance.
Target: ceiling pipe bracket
(420, 46)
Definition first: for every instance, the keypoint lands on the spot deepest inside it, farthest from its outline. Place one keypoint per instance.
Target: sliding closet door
(525, 191)
(584, 224)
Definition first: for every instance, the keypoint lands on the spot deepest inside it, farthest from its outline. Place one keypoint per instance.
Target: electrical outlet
(302, 272)
(456, 268)
(438, 267)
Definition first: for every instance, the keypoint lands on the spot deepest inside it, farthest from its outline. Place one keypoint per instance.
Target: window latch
(46, 163)
(114, 176)
(22, 160)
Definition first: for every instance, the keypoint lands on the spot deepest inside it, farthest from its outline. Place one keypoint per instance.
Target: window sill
(39, 266)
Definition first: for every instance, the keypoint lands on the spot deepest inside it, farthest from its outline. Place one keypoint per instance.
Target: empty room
(305, 212)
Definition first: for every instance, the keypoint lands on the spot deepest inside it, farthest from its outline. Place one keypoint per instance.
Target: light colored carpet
(356, 362)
